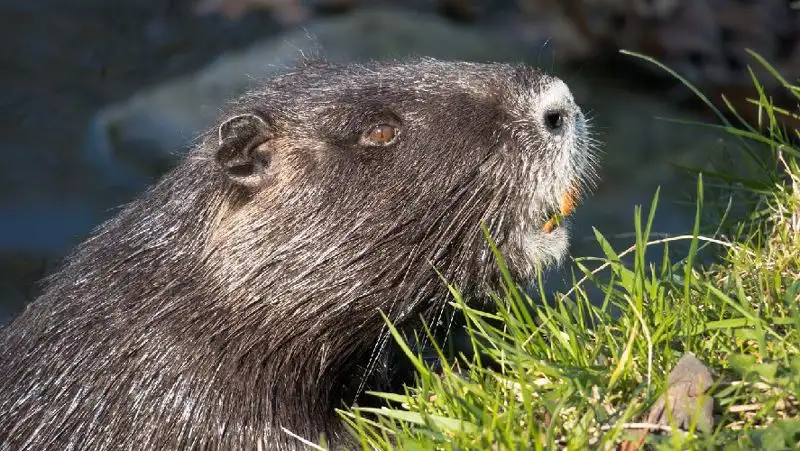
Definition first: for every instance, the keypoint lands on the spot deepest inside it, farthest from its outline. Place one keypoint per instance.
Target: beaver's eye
(379, 135)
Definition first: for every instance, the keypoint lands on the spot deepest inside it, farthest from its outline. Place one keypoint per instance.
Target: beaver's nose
(557, 108)
(554, 119)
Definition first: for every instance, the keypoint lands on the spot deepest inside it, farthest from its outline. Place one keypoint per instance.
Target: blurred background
(99, 98)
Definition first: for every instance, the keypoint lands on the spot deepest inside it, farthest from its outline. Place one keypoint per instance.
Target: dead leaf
(686, 397)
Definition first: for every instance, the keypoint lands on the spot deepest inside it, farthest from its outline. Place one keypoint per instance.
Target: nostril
(554, 119)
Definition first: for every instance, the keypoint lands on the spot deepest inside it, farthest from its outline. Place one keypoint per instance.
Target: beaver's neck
(253, 354)
(224, 346)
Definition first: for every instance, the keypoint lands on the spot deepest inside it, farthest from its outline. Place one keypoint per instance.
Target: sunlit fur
(210, 315)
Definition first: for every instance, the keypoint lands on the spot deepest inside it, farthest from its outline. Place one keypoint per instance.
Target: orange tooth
(569, 201)
(568, 204)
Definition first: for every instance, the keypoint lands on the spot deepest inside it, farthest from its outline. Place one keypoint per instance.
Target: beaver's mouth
(567, 205)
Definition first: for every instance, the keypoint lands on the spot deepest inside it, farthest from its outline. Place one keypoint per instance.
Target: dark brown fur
(241, 294)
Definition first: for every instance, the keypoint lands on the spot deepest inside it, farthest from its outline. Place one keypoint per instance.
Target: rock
(704, 41)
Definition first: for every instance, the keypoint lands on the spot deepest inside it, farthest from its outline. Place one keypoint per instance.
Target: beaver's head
(380, 169)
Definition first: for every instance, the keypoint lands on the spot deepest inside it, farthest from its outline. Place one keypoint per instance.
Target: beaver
(240, 296)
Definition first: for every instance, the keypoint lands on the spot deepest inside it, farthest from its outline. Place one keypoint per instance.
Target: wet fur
(213, 311)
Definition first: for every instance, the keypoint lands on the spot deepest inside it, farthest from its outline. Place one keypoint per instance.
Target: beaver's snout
(557, 112)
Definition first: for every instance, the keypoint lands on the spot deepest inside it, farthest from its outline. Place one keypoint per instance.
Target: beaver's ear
(243, 151)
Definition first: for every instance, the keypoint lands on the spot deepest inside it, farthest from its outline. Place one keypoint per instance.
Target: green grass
(577, 373)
